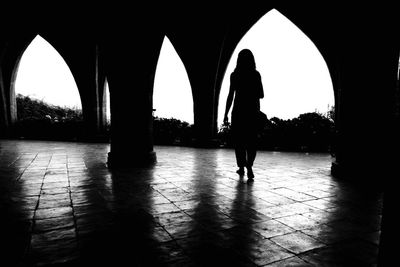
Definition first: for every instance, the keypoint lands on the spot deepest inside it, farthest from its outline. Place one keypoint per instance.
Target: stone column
(203, 108)
(202, 69)
(77, 45)
(9, 60)
(3, 101)
(366, 112)
(130, 69)
(82, 61)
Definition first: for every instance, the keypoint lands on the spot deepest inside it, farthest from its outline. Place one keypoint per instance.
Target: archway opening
(106, 109)
(297, 85)
(107, 101)
(397, 92)
(172, 99)
(48, 101)
(398, 70)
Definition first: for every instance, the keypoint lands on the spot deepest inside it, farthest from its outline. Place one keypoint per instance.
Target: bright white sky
(172, 93)
(43, 74)
(294, 74)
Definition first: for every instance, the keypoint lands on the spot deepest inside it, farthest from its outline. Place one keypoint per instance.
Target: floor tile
(60, 204)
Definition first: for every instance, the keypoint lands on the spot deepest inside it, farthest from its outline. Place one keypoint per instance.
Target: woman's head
(245, 60)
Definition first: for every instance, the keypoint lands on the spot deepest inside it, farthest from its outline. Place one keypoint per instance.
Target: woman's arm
(260, 87)
(229, 101)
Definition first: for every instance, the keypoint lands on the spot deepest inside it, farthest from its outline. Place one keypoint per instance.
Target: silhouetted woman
(246, 88)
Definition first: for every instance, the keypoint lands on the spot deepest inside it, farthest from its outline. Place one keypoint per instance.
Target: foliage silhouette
(39, 120)
(313, 132)
(172, 132)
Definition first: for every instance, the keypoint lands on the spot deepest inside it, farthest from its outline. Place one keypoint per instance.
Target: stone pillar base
(131, 160)
(336, 169)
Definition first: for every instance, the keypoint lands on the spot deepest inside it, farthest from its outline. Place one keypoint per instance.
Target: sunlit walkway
(60, 204)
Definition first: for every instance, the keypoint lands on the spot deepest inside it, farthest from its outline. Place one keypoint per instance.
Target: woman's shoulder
(234, 75)
(249, 74)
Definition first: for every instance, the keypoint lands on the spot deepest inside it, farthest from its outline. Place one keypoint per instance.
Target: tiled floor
(60, 205)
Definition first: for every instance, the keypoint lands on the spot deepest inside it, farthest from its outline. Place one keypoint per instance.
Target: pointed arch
(43, 51)
(172, 94)
(280, 48)
(106, 102)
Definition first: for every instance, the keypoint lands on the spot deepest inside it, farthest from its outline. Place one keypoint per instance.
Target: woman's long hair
(245, 61)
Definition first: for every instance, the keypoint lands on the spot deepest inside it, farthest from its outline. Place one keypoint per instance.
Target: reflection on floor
(61, 205)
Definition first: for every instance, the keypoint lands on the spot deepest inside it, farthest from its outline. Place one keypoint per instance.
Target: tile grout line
(19, 176)
(72, 204)
(29, 247)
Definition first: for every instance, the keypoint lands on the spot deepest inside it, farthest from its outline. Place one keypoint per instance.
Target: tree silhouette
(308, 132)
(39, 120)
